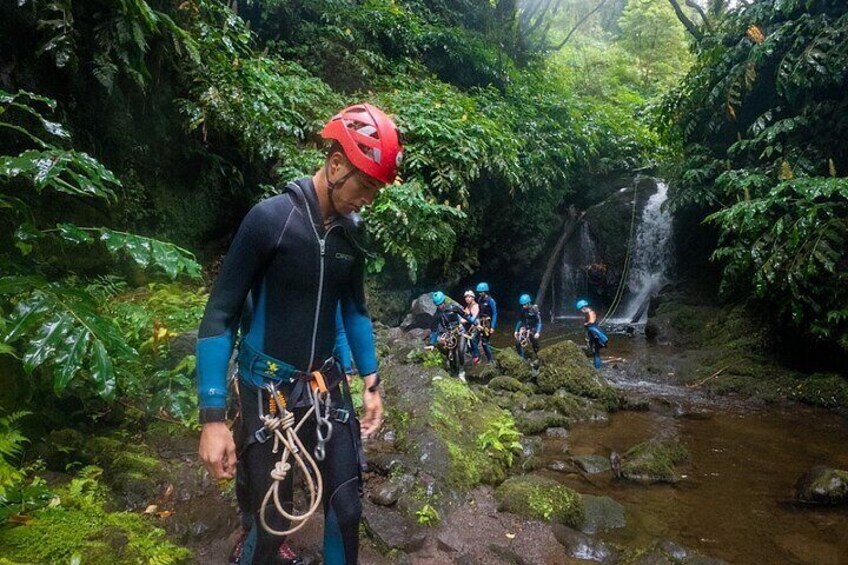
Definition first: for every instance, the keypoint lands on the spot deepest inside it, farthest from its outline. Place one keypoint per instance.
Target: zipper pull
(321, 243)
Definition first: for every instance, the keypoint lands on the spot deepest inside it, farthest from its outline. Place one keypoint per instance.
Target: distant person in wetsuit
(594, 334)
(488, 319)
(447, 325)
(529, 326)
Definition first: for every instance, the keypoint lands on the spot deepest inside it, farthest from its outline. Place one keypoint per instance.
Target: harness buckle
(341, 415)
(261, 435)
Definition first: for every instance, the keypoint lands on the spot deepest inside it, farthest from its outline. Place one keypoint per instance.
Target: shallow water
(736, 499)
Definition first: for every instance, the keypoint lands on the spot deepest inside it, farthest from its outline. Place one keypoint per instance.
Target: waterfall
(577, 256)
(650, 257)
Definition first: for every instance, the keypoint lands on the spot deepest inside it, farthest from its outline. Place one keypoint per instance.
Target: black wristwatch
(209, 415)
(376, 385)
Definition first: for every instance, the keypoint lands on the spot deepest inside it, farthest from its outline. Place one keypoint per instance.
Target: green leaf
(69, 358)
(74, 234)
(50, 337)
(102, 371)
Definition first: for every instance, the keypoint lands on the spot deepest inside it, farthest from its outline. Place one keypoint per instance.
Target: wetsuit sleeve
(357, 322)
(538, 321)
(245, 261)
(342, 349)
(518, 325)
(494, 312)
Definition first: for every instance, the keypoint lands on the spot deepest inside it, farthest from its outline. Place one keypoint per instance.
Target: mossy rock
(509, 363)
(823, 485)
(538, 421)
(540, 498)
(654, 461)
(821, 389)
(564, 366)
(80, 525)
(507, 383)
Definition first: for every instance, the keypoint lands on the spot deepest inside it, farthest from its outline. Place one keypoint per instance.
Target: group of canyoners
(456, 329)
(290, 294)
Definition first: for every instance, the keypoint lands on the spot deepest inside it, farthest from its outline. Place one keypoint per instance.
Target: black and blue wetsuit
(531, 322)
(488, 318)
(449, 317)
(299, 275)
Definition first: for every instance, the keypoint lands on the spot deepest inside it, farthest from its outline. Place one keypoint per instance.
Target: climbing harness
(523, 338)
(279, 423)
(486, 326)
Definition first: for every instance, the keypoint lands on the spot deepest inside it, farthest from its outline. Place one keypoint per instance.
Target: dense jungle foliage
(759, 127)
(135, 135)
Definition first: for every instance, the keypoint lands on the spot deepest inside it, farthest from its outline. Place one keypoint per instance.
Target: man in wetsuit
(594, 334)
(295, 254)
(488, 318)
(529, 326)
(449, 318)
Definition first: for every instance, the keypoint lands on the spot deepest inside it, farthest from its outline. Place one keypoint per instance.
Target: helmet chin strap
(333, 185)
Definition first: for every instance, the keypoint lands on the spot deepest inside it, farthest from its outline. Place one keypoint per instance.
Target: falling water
(651, 255)
(577, 256)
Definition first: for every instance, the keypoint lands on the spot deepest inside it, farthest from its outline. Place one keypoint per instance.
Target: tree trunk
(568, 230)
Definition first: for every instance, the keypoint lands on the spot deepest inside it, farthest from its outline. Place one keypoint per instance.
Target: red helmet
(370, 139)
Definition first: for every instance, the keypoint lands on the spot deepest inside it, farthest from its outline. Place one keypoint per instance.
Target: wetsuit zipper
(322, 246)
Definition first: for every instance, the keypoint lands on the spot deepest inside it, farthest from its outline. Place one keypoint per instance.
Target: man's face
(356, 192)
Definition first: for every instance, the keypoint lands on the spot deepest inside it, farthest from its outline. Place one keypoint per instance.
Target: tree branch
(697, 8)
(578, 24)
(687, 23)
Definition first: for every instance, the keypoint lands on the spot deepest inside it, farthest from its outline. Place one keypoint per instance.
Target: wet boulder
(564, 366)
(507, 383)
(823, 485)
(601, 514)
(654, 461)
(511, 364)
(537, 421)
(540, 498)
(580, 546)
(592, 464)
(421, 313)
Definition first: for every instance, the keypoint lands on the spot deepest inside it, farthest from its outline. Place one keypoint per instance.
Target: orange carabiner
(318, 382)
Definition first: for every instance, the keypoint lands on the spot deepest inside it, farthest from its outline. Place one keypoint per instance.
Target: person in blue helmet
(529, 326)
(488, 318)
(448, 326)
(594, 334)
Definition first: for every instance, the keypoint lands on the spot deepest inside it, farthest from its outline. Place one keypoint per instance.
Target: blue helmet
(438, 298)
(483, 287)
(525, 299)
(581, 304)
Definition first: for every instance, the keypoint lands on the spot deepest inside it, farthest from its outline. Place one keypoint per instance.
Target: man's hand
(429, 347)
(536, 336)
(372, 403)
(515, 334)
(218, 450)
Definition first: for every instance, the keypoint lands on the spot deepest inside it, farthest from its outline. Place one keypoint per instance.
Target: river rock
(386, 494)
(392, 530)
(556, 433)
(509, 363)
(537, 421)
(559, 466)
(654, 461)
(540, 498)
(592, 464)
(564, 366)
(421, 313)
(580, 546)
(823, 485)
(506, 383)
(601, 514)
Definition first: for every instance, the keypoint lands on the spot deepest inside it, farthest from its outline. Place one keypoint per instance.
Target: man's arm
(360, 338)
(494, 312)
(246, 260)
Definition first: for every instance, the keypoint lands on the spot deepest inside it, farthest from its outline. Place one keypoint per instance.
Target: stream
(735, 501)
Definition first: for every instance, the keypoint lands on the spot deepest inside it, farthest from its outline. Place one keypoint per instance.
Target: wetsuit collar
(308, 188)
